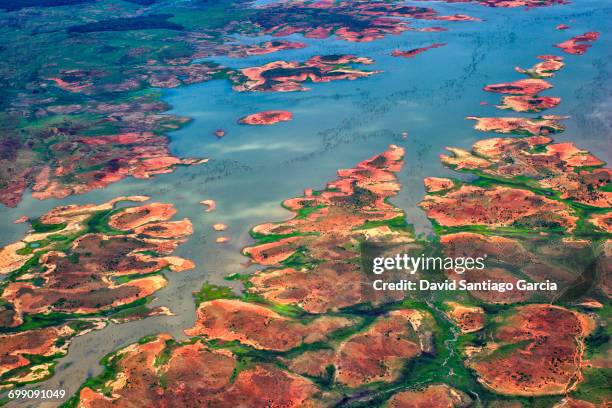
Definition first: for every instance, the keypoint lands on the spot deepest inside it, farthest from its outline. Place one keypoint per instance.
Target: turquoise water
(336, 125)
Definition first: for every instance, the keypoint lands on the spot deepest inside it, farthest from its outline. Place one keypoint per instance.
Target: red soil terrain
(536, 258)
(54, 157)
(497, 207)
(536, 350)
(140, 155)
(219, 226)
(376, 354)
(505, 250)
(355, 21)
(16, 349)
(524, 98)
(73, 140)
(327, 221)
(102, 258)
(576, 45)
(74, 270)
(545, 125)
(436, 184)
(65, 291)
(561, 167)
(512, 3)
(266, 117)
(82, 164)
(206, 371)
(312, 363)
(547, 186)
(283, 76)
(134, 217)
(76, 164)
(210, 205)
(468, 318)
(602, 222)
(530, 86)
(267, 47)
(157, 73)
(431, 396)
(199, 376)
(327, 224)
(259, 327)
(310, 263)
(380, 352)
(570, 402)
(523, 103)
(546, 69)
(71, 148)
(415, 51)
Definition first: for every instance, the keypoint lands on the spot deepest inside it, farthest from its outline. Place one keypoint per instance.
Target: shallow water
(336, 125)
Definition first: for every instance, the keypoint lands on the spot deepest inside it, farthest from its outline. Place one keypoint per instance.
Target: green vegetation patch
(146, 22)
(212, 292)
(39, 226)
(14, 5)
